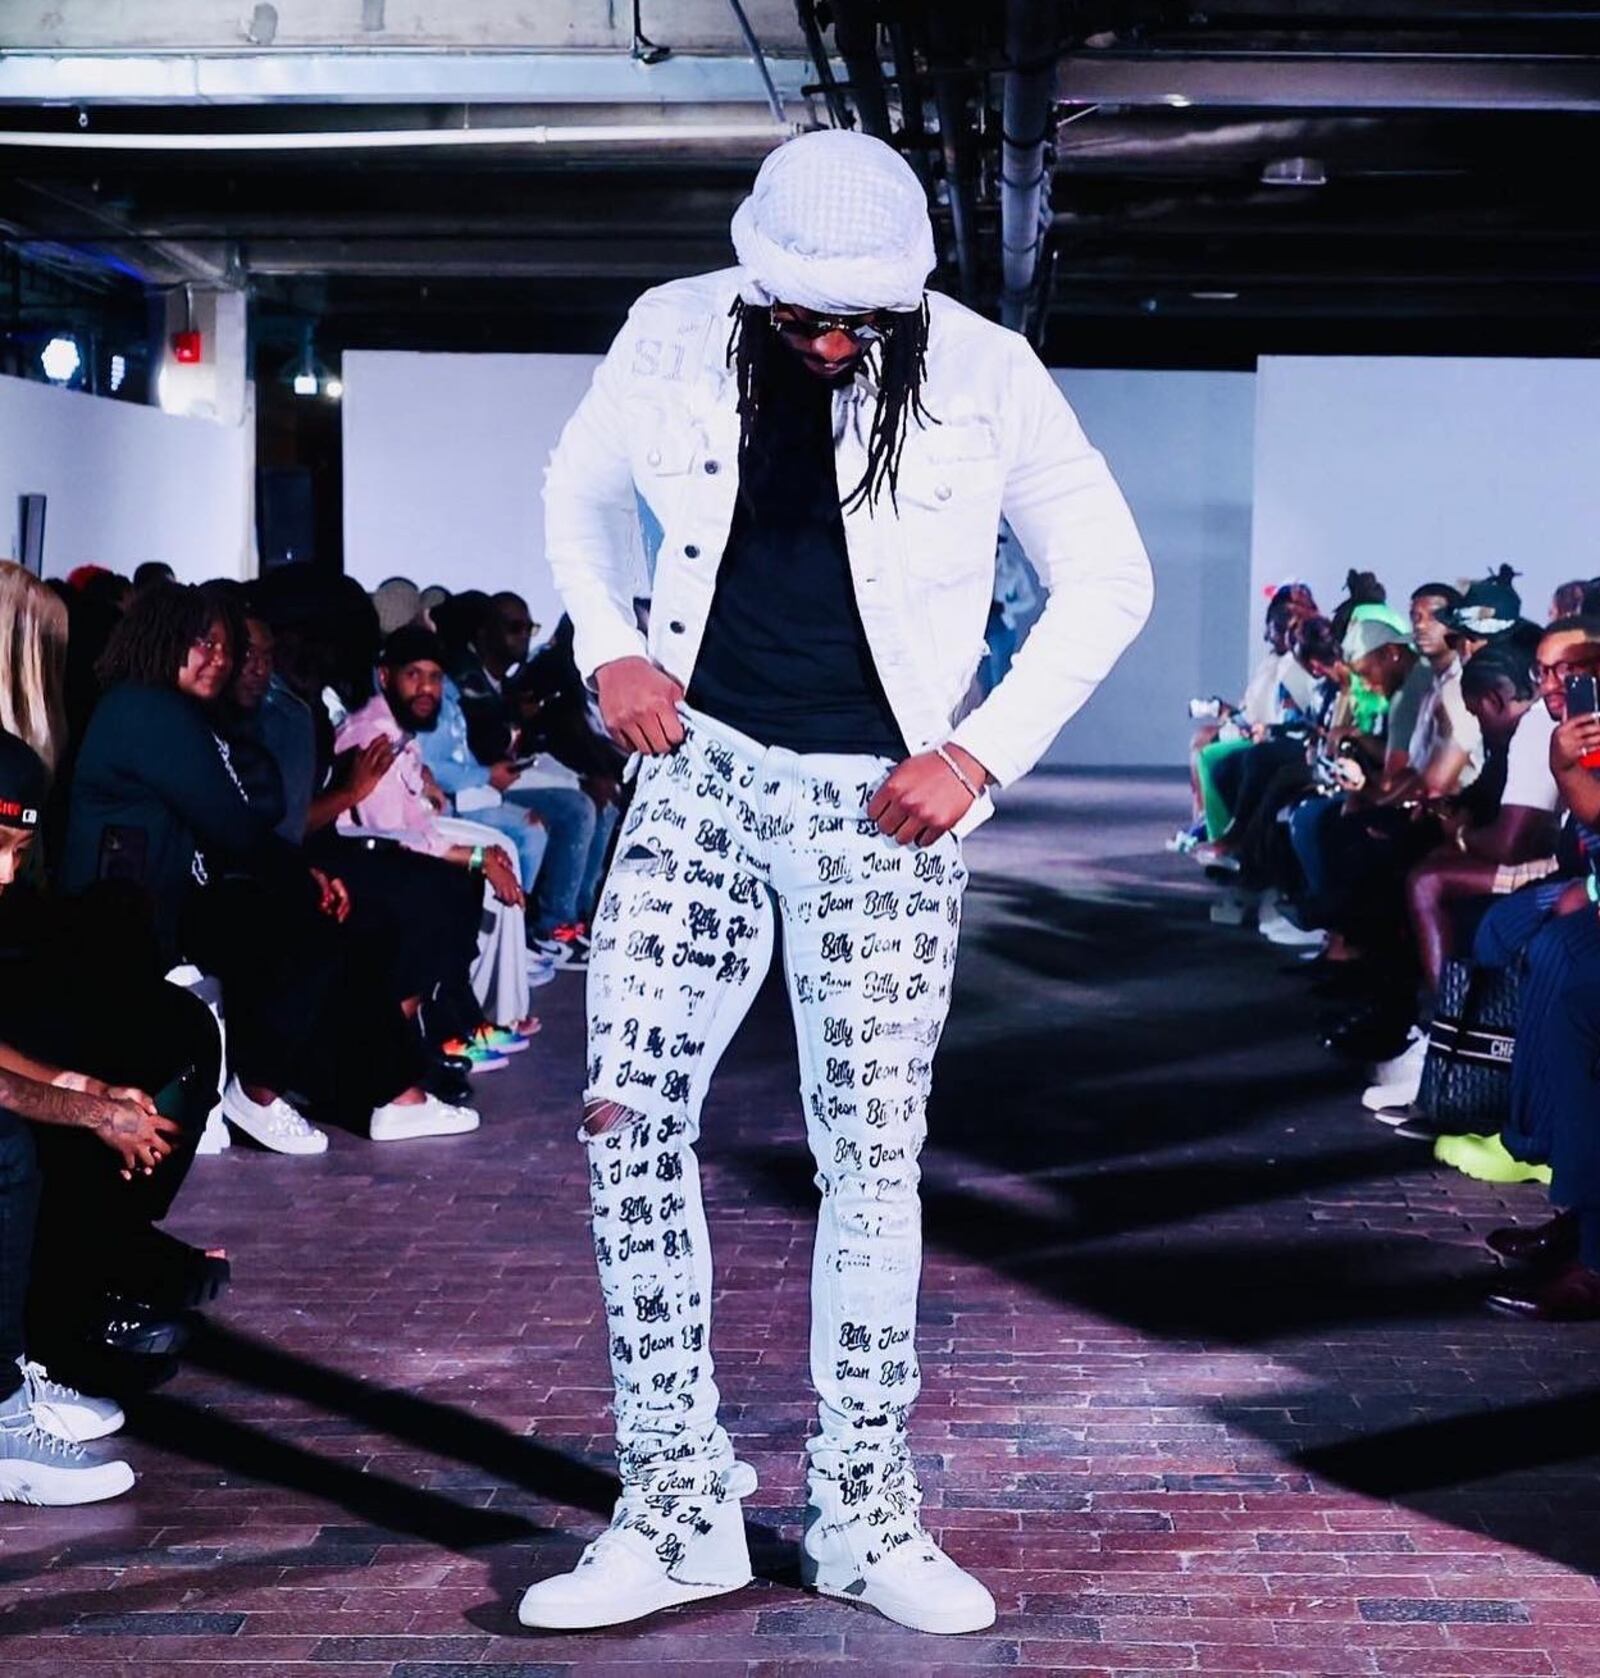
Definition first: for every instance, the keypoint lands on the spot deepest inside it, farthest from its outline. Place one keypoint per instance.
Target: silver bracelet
(956, 770)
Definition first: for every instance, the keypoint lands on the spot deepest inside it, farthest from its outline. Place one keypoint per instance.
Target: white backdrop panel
(444, 459)
(1424, 469)
(126, 483)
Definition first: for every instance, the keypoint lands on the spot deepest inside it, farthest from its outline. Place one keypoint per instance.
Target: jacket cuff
(974, 734)
(604, 643)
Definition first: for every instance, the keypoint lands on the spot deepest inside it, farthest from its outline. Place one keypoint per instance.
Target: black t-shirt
(784, 658)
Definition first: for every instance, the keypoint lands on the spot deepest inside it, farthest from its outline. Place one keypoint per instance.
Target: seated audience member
(1489, 609)
(1279, 686)
(457, 621)
(1554, 1087)
(567, 726)
(43, 1423)
(419, 916)
(159, 823)
(502, 723)
(433, 597)
(407, 804)
(477, 791)
(1499, 836)
(1501, 840)
(87, 1165)
(152, 572)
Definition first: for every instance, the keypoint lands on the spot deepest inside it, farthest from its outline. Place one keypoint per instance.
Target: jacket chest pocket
(661, 447)
(949, 498)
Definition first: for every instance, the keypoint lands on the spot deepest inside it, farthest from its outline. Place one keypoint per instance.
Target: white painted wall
(1180, 446)
(1426, 469)
(127, 483)
(444, 459)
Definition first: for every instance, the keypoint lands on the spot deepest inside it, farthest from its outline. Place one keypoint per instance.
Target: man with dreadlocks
(826, 486)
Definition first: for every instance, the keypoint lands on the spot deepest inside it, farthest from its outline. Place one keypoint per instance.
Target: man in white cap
(824, 484)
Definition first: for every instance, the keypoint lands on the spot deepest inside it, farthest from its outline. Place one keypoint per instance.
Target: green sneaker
(1485, 1158)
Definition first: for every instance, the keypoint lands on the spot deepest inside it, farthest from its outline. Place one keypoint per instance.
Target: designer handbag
(1466, 1080)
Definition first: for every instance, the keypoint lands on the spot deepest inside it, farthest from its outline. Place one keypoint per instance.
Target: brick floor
(1209, 1387)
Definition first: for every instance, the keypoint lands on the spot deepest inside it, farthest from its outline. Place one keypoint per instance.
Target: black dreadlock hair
(151, 642)
(901, 368)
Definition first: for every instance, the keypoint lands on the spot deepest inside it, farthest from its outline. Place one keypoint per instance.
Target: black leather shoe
(1572, 1295)
(1549, 1244)
(446, 1076)
(1421, 1128)
(129, 1325)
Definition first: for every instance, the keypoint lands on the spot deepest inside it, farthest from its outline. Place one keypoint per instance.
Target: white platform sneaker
(275, 1124)
(915, 1584)
(1397, 1083)
(428, 1117)
(648, 1561)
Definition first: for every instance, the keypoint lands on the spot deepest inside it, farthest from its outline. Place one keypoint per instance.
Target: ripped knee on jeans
(601, 1116)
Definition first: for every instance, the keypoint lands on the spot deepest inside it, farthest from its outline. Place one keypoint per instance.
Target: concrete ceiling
(1300, 175)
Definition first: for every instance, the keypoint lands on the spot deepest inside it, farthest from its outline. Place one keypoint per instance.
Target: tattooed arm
(126, 1120)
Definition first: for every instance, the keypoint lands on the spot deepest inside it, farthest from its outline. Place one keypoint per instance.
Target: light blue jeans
(530, 841)
(576, 846)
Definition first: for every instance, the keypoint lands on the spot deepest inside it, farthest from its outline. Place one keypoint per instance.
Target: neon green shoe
(1485, 1158)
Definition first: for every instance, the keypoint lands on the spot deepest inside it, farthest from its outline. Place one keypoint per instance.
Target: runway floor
(1208, 1382)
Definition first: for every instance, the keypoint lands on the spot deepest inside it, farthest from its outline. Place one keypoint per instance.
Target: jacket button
(712, 468)
(690, 551)
(675, 627)
(943, 492)
(654, 457)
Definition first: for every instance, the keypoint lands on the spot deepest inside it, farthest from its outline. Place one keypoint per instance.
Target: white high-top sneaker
(1398, 1082)
(914, 1583)
(654, 1556)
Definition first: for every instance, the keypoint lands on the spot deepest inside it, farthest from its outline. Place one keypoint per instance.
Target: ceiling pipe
(913, 130)
(856, 37)
(956, 147)
(397, 139)
(838, 111)
(1025, 133)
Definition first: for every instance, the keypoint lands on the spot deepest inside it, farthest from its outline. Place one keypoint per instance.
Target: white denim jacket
(657, 434)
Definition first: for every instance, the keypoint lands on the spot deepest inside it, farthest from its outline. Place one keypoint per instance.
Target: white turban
(837, 222)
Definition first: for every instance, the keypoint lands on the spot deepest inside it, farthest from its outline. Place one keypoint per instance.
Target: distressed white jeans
(722, 836)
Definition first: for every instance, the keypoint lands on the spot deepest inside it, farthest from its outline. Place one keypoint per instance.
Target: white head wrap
(837, 222)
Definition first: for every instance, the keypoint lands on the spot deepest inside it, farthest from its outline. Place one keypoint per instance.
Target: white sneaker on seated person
(273, 1124)
(405, 1121)
(1398, 1082)
(66, 1412)
(38, 1466)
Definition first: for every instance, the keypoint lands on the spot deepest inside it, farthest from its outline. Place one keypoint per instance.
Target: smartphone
(1583, 700)
(169, 1099)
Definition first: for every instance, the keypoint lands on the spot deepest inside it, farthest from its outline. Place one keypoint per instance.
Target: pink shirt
(398, 806)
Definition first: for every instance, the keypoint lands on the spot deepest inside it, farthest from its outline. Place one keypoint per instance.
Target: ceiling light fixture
(61, 359)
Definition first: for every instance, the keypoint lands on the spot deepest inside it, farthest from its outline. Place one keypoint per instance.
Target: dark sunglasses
(864, 329)
(1564, 669)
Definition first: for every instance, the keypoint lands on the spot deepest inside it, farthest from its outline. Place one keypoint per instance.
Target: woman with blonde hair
(33, 663)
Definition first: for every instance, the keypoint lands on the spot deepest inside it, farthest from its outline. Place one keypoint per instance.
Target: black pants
(310, 1005)
(93, 1225)
(421, 916)
(19, 1210)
